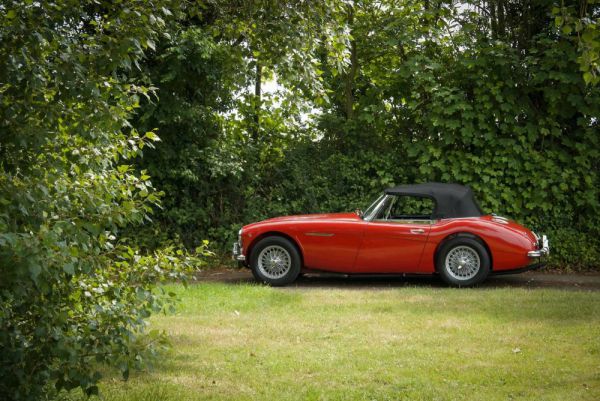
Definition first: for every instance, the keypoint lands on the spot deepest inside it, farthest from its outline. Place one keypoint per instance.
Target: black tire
(451, 272)
(282, 248)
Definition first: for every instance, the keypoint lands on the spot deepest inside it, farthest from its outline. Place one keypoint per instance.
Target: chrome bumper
(237, 252)
(544, 248)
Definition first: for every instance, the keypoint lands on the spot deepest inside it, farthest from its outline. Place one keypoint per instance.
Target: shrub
(72, 294)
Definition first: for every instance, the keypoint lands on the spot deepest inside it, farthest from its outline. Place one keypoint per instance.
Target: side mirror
(359, 213)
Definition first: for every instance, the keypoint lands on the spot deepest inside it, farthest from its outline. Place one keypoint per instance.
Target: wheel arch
(272, 233)
(462, 234)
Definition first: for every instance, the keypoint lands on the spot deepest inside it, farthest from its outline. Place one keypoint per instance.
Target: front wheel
(463, 261)
(275, 261)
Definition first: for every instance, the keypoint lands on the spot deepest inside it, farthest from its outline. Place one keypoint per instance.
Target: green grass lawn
(412, 343)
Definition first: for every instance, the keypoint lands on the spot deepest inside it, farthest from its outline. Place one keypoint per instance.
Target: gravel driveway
(568, 281)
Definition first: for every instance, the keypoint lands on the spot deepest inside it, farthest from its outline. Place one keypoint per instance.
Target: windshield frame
(373, 209)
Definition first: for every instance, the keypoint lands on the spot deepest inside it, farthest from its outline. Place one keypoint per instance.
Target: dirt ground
(537, 279)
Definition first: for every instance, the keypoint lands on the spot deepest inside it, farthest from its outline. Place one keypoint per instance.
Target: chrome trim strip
(320, 234)
(405, 221)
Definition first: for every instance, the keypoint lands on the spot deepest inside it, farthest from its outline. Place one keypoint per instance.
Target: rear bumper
(543, 248)
(535, 266)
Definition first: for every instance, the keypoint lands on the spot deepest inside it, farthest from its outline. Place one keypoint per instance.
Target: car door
(393, 241)
(331, 245)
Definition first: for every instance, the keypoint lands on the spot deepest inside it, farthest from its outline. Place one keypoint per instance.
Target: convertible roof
(451, 200)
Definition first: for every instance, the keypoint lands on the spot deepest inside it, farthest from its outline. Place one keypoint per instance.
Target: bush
(73, 295)
(508, 113)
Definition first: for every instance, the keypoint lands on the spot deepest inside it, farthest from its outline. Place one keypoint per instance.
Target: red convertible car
(430, 228)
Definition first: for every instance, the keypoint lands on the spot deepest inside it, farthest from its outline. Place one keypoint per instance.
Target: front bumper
(237, 252)
(544, 248)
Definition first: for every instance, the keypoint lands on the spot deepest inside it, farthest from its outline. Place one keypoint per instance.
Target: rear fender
(463, 234)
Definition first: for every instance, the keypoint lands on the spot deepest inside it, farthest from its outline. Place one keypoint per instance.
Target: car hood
(308, 217)
(322, 216)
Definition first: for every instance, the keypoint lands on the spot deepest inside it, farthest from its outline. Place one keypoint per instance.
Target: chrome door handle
(417, 231)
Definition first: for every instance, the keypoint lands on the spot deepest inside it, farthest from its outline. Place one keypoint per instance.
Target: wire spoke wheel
(462, 263)
(274, 262)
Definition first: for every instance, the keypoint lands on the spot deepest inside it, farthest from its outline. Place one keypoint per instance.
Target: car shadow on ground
(510, 281)
(531, 280)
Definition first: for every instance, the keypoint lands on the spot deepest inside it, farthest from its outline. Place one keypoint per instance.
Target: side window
(408, 209)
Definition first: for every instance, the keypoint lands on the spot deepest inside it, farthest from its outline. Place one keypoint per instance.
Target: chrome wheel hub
(274, 262)
(462, 263)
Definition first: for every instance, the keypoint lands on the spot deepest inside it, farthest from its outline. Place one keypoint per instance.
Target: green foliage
(501, 96)
(73, 294)
(486, 95)
(579, 21)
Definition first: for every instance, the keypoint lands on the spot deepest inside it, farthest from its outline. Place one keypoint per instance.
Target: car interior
(407, 209)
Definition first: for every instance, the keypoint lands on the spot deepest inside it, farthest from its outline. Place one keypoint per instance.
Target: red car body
(345, 243)
(351, 244)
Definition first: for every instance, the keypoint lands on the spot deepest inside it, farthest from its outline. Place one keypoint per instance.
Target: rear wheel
(463, 261)
(275, 261)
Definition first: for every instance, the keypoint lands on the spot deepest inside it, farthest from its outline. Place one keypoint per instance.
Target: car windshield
(373, 208)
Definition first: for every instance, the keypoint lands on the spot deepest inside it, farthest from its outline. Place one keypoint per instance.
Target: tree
(579, 21)
(221, 132)
(372, 93)
(73, 294)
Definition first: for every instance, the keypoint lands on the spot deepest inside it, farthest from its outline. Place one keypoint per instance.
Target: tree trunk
(493, 21)
(350, 77)
(501, 19)
(257, 100)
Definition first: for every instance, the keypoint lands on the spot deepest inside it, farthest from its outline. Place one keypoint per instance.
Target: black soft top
(451, 200)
